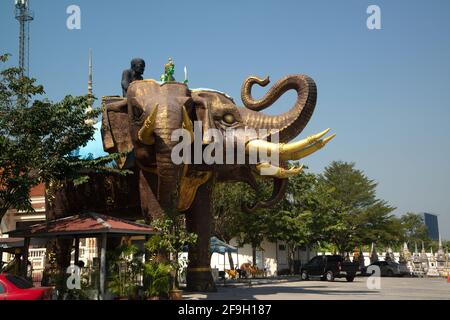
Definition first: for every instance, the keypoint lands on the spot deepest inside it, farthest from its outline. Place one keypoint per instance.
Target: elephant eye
(228, 118)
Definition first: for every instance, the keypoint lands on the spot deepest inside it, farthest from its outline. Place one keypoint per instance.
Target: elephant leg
(198, 221)
(149, 204)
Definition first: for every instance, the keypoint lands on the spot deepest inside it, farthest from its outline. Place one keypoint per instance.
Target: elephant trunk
(168, 172)
(288, 124)
(167, 182)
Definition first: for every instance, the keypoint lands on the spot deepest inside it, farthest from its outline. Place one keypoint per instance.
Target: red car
(17, 288)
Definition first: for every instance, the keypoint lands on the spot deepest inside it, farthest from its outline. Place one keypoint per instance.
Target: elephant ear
(116, 127)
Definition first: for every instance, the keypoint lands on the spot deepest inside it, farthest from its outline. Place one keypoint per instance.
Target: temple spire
(440, 252)
(90, 91)
(90, 79)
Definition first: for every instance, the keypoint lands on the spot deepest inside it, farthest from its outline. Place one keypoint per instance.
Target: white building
(272, 257)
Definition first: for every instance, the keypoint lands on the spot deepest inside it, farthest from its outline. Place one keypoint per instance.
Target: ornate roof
(83, 225)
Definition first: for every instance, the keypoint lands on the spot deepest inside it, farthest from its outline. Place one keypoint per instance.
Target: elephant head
(219, 111)
(152, 111)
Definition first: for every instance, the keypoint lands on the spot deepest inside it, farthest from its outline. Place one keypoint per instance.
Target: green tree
(338, 207)
(357, 215)
(415, 230)
(230, 220)
(171, 239)
(292, 227)
(297, 220)
(37, 139)
(253, 229)
(226, 213)
(379, 226)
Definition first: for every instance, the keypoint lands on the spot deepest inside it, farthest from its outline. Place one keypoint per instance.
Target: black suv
(328, 267)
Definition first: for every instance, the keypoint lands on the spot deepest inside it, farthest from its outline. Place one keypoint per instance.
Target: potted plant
(123, 271)
(121, 287)
(171, 239)
(158, 277)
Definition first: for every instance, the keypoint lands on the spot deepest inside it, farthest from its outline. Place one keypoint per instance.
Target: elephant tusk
(299, 145)
(187, 124)
(269, 170)
(311, 149)
(145, 134)
(291, 151)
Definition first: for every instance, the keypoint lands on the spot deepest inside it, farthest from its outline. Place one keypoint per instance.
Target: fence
(36, 257)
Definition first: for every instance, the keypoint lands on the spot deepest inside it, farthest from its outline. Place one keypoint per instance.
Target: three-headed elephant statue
(157, 124)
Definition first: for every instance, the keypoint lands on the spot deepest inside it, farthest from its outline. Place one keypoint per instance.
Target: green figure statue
(169, 69)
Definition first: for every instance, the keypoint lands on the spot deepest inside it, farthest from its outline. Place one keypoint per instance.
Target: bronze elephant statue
(142, 126)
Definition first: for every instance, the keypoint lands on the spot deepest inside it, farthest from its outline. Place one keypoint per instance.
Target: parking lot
(390, 289)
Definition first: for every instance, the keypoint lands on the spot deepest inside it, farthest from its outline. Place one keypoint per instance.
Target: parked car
(17, 288)
(388, 269)
(329, 267)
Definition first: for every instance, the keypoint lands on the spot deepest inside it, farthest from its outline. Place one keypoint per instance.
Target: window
(19, 282)
(316, 261)
(334, 258)
(281, 247)
(2, 288)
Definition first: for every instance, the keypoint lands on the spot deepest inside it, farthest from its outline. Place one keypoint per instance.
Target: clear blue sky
(385, 92)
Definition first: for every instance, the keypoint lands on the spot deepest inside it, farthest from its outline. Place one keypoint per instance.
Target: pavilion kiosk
(87, 225)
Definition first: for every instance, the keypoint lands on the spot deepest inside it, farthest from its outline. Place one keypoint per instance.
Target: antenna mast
(24, 15)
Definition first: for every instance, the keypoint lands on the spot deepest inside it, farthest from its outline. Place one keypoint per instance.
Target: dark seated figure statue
(132, 74)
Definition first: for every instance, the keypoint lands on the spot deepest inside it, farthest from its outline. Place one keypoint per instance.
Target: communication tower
(24, 15)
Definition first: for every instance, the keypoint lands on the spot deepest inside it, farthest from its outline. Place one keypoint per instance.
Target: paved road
(391, 288)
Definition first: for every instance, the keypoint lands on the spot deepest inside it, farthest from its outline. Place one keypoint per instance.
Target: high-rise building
(431, 222)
